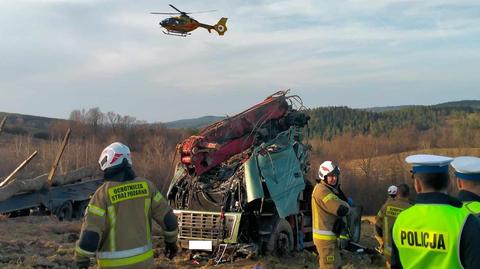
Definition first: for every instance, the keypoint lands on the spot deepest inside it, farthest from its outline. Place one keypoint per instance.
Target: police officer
(118, 221)
(467, 170)
(395, 204)
(436, 232)
(329, 207)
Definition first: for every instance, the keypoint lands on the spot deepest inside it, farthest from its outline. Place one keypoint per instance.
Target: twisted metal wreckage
(242, 181)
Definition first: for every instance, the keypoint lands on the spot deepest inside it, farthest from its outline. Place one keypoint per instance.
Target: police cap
(426, 163)
(467, 167)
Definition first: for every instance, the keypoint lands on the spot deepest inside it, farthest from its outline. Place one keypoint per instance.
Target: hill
(330, 121)
(195, 123)
(373, 174)
(327, 122)
(386, 108)
(27, 124)
(464, 103)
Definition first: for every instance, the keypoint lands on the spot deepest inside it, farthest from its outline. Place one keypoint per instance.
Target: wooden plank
(3, 123)
(59, 155)
(20, 167)
(39, 182)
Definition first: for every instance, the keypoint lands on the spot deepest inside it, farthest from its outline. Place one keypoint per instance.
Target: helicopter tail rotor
(221, 26)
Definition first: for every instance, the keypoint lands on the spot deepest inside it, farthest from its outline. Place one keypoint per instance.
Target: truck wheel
(20, 213)
(65, 211)
(281, 239)
(355, 223)
(80, 209)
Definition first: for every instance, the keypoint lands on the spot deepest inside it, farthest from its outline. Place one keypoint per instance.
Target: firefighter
(329, 207)
(467, 170)
(396, 203)
(391, 193)
(436, 232)
(118, 221)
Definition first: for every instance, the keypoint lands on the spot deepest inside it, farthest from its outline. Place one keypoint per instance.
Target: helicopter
(182, 25)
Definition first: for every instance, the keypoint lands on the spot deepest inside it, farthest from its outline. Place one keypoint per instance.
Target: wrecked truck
(243, 180)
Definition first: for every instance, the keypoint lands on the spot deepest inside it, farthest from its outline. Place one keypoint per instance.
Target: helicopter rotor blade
(204, 11)
(172, 6)
(165, 13)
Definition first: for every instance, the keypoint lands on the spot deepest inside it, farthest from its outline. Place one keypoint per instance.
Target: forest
(369, 146)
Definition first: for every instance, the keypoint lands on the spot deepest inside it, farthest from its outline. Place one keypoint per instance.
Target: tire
(20, 213)
(79, 209)
(65, 211)
(281, 239)
(355, 223)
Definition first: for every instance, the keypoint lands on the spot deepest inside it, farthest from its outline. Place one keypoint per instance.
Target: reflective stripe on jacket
(121, 213)
(125, 257)
(386, 218)
(325, 204)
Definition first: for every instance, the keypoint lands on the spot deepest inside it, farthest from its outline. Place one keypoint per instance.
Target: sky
(60, 55)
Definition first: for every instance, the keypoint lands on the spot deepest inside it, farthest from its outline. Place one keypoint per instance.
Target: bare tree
(113, 120)
(94, 118)
(77, 115)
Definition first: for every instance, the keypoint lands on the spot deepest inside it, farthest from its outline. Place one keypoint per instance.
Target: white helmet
(114, 155)
(326, 168)
(392, 190)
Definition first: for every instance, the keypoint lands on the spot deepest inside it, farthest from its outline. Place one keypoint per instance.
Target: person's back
(425, 244)
(392, 210)
(118, 221)
(128, 208)
(436, 232)
(388, 215)
(380, 223)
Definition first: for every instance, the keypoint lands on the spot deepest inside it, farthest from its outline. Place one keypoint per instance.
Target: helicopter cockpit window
(173, 21)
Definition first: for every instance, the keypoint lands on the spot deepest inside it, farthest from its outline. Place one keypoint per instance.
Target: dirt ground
(44, 242)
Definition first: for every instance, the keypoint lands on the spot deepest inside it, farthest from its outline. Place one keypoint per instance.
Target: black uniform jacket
(469, 240)
(466, 196)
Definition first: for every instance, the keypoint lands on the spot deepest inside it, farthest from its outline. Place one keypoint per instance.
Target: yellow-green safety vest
(428, 236)
(473, 207)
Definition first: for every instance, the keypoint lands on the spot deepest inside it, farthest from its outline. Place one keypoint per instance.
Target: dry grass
(41, 242)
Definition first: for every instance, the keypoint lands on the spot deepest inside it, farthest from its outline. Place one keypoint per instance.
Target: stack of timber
(16, 186)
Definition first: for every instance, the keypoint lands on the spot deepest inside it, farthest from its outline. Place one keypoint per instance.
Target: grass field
(43, 242)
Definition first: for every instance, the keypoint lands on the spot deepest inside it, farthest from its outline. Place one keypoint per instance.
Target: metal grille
(199, 225)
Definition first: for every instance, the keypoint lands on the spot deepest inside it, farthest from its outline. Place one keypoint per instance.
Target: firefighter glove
(338, 226)
(343, 241)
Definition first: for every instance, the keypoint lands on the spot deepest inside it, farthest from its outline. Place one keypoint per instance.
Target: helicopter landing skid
(176, 34)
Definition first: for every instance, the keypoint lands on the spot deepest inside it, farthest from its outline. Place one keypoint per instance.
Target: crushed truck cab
(242, 180)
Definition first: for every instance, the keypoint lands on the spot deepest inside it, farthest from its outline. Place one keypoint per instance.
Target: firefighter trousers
(328, 254)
